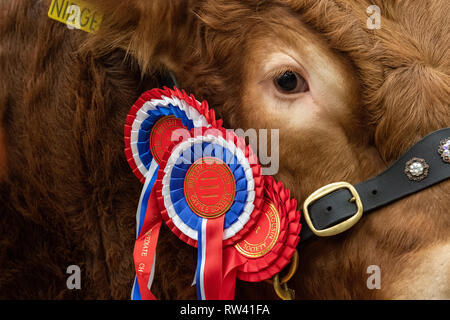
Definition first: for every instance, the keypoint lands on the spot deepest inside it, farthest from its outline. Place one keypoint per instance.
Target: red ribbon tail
(213, 261)
(145, 247)
(232, 261)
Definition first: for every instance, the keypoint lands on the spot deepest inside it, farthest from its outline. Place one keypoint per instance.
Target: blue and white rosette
(183, 216)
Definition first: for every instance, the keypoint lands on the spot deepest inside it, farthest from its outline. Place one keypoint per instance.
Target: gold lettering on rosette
(160, 135)
(145, 247)
(255, 250)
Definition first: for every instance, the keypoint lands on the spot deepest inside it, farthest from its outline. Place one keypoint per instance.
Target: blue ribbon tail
(135, 292)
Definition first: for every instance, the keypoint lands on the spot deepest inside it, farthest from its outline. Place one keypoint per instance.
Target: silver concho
(444, 150)
(416, 169)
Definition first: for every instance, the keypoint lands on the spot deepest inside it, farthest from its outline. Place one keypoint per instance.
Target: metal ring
(292, 269)
(282, 290)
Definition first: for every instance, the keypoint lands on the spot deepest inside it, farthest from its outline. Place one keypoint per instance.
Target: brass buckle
(344, 225)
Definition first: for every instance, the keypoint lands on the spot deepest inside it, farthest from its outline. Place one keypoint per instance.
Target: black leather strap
(167, 79)
(391, 185)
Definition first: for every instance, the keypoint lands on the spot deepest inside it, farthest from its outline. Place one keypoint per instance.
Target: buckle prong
(340, 227)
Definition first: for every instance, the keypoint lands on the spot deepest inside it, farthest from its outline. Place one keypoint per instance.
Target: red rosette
(239, 142)
(160, 94)
(265, 258)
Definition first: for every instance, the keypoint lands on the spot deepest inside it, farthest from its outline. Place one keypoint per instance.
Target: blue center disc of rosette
(185, 161)
(143, 143)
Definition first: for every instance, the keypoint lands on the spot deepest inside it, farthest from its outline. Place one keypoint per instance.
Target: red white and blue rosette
(210, 192)
(149, 129)
(147, 111)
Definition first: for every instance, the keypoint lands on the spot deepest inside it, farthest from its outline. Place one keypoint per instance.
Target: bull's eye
(290, 82)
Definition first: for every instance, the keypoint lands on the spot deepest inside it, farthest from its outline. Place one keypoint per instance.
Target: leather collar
(337, 207)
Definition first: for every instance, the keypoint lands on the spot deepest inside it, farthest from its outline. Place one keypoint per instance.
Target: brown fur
(68, 196)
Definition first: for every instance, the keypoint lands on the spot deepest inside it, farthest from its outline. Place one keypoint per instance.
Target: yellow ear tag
(76, 14)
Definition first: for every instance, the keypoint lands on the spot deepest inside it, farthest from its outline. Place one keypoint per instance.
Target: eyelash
(280, 71)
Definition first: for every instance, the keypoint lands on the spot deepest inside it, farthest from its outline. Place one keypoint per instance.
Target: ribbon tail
(145, 248)
(232, 261)
(145, 195)
(135, 292)
(141, 213)
(209, 261)
(229, 286)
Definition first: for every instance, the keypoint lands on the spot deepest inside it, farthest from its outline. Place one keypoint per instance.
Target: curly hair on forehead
(384, 60)
(405, 48)
(203, 41)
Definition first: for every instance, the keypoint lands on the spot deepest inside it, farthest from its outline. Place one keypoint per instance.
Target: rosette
(271, 243)
(149, 130)
(210, 193)
(153, 105)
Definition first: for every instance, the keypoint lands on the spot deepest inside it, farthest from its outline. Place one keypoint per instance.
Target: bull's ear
(154, 32)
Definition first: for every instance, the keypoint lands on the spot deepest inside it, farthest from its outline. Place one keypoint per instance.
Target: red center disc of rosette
(161, 135)
(209, 187)
(264, 235)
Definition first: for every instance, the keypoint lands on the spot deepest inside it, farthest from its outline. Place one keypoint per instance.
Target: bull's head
(348, 101)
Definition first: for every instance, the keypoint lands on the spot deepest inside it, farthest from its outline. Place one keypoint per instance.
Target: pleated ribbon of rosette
(210, 192)
(270, 246)
(150, 125)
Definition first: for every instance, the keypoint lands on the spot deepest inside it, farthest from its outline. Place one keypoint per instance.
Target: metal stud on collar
(444, 150)
(416, 169)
